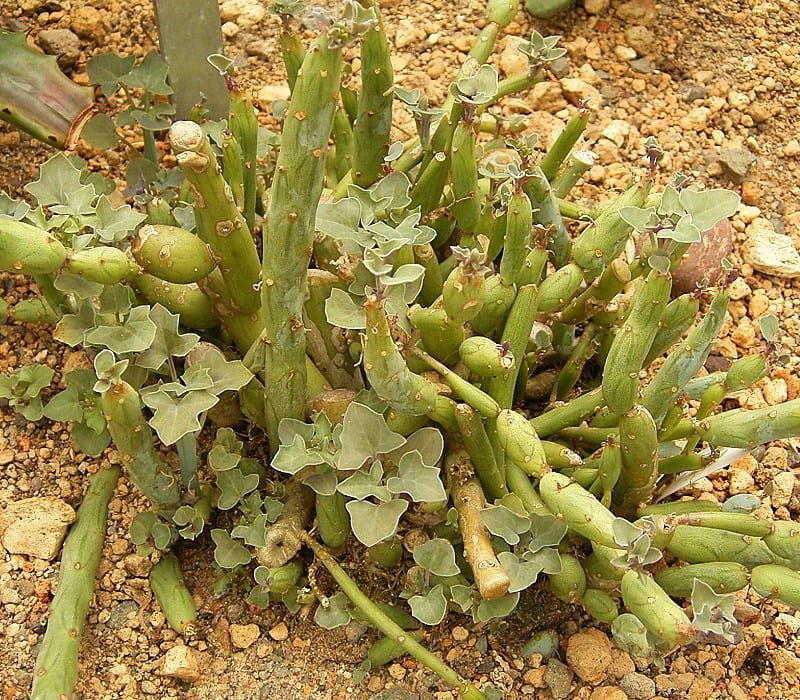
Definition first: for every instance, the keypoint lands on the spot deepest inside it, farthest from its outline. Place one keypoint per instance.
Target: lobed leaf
(438, 557)
(373, 523)
(430, 608)
(228, 553)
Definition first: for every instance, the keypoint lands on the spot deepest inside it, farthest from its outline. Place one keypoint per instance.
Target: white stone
(770, 252)
(408, 32)
(577, 91)
(595, 7)
(617, 131)
(748, 213)
(246, 13)
(781, 488)
(624, 53)
(183, 663)
(35, 527)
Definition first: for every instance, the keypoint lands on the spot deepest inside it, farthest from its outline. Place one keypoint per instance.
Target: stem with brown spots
(289, 230)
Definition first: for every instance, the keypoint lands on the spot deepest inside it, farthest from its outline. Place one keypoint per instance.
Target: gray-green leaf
(438, 557)
(365, 435)
(228, 553)
(374, 523)
(431, 608)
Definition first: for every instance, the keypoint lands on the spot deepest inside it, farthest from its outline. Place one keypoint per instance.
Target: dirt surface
(718, 82)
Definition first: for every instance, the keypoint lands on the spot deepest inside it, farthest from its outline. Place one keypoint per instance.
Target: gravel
(719, 84)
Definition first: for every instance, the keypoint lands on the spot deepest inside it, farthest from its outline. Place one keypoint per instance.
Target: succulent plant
(423, 330)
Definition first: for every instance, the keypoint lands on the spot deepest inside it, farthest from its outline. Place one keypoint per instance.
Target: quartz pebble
(183, 663)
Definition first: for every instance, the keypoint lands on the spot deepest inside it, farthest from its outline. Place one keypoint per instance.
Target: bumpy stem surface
(283, 539)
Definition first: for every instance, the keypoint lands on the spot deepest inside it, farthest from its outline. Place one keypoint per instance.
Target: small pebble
(596, 7)
(460, 634)
(558, 678)
(641, 65)
(244, 636)
(781, 488)
(736, 162)
(280, 632)
(792, 148)
(739, 481)
(637, 686)
(608, 692)
(691, 92)
(624, 53)
(589, 655)
(183, 663)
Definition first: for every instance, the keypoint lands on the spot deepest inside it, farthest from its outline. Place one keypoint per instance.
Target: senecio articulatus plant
(426, 331)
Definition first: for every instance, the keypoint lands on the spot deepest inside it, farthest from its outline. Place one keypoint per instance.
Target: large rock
(35, 527)
(770, 252)
(703, 260)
